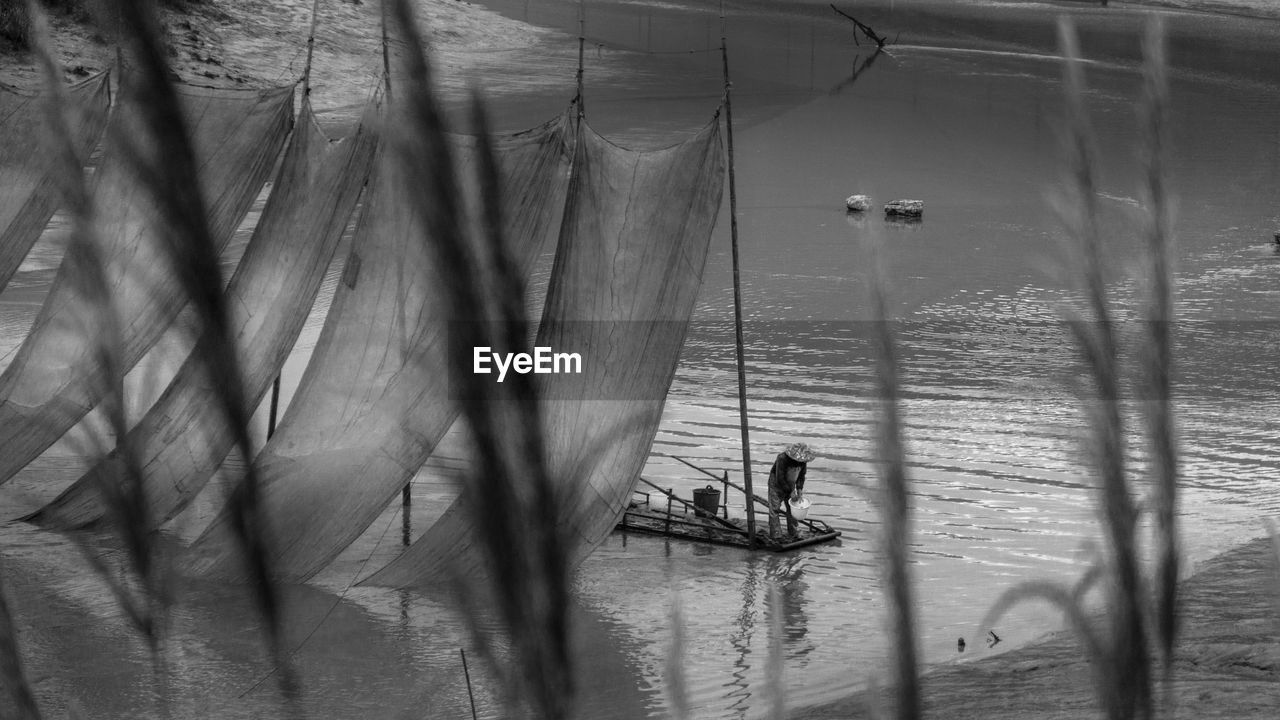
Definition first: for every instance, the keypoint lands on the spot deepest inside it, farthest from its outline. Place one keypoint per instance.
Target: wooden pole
(467, 673)
(667, 528)
(871, 34)
(406, 520)
(275, 407)
(406, 493)
(737, 291)
(386, 55)
(582, 41)
(311, 47)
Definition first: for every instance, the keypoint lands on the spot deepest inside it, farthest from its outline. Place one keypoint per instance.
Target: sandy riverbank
(255, 43)
(1228, 658)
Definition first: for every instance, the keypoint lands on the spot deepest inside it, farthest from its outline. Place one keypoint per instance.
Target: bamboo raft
(660, 511)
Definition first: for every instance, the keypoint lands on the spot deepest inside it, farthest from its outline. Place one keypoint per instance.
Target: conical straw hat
(801, 452)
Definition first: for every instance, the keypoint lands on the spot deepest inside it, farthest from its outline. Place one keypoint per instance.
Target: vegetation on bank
(1139, 605)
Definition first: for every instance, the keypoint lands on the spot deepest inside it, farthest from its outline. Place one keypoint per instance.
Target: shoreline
(1227, 660)
(259, 43)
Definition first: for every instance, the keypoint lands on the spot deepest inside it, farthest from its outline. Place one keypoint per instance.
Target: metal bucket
(706, 501)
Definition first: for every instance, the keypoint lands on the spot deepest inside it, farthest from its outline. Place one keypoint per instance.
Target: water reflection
(739, 694)
(787, 574)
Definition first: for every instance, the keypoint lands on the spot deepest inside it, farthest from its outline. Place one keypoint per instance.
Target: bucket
(706, 501)
(800, 508)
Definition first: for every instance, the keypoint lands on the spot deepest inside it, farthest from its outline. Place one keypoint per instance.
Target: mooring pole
(467, 674)
(274, 410)
(406, 493)
(666, 528)
(725, 494)
(737, 291)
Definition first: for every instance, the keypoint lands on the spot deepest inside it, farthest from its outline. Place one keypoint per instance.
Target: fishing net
(375, 398)
(29, 190)
(628, 268)
(183, 437)
(53, 380)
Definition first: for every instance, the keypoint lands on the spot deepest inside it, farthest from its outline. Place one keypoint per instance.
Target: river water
(963, 113)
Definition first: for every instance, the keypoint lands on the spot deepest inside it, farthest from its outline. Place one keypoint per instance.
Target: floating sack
(857, 203)
(904, 208)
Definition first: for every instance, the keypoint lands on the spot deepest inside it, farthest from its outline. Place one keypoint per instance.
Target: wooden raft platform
(662, 512)
(656, 521)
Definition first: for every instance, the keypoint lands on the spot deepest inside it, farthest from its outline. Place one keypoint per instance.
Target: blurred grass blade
(893, 496)
(162, 155)
(1158, 356)
(527, 561)
(673, 669)
(17, 688)
(124, 496)
(1128, 682)
(1274, 533)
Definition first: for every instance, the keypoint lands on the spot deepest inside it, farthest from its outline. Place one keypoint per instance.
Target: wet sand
(1227, 658)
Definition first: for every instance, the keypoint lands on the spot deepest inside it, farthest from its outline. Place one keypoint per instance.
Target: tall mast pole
(274, 410)
(311, 48)
(737, 293)
(386, 54)
(406, 493)
(582, 41)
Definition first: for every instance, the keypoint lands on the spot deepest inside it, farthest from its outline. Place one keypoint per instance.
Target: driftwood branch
(867, 30)
(857, 71)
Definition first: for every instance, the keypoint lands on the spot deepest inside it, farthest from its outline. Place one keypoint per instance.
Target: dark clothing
(781, 487)
(779, 477)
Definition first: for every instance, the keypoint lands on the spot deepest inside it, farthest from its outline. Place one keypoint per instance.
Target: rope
(288, 69)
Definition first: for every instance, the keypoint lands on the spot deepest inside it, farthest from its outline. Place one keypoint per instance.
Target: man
(786, 484)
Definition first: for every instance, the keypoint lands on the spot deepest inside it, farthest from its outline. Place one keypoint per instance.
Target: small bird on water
(960, 645)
